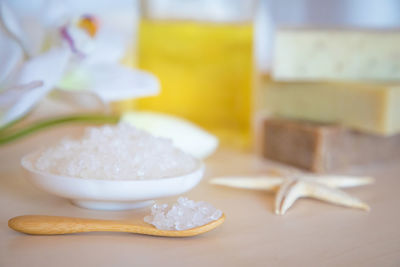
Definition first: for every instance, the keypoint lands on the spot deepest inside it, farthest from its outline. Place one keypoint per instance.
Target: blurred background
(213, 58)
(270, 14)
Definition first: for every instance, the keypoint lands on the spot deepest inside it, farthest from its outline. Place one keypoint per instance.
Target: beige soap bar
(323, 54)
(324, 148)
(365, 107)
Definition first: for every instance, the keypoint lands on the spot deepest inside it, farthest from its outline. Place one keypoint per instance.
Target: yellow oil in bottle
(206, 72)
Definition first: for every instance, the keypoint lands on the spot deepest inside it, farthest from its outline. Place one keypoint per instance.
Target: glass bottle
(202, 52)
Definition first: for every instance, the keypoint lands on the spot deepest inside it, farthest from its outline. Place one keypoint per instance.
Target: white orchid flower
(95, 66)
(22, 85)
(55, 50)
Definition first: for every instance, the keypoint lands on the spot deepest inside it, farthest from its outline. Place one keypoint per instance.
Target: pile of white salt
(119, 152)
(185, 214)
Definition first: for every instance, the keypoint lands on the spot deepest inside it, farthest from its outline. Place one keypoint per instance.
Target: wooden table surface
(312, 233)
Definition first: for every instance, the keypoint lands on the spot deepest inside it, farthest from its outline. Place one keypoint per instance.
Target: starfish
(290, 188)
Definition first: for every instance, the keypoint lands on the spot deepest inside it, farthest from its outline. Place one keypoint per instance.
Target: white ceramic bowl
(111, 194)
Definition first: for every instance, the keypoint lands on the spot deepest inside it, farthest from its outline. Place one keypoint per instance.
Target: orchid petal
(48, 67)
(80, 100)
(36, 35)
(78, 40)
(18, 101)
(10, 55)
(12, 24)
(56, 13)
(113, 82)
(184, 134)
(109, 46)
(75, 79)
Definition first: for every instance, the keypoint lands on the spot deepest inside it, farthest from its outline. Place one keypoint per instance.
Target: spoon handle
(57, 225)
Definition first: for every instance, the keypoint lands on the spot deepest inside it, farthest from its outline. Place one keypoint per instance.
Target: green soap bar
(329, 54)
(371, 108)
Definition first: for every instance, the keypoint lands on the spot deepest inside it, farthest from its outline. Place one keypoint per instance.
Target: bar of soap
(326, 54)
(322, 147)
(371, 108)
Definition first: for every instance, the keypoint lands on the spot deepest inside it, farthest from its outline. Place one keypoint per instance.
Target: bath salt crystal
(185, 214)
(117, 152)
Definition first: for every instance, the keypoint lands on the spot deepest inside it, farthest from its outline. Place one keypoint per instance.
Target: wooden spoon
(58, 225)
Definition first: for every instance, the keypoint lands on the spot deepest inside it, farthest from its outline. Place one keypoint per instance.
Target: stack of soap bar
(323, 148)
(366, 107)
(312, 54)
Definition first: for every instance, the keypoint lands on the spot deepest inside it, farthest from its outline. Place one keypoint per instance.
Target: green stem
(97, 119)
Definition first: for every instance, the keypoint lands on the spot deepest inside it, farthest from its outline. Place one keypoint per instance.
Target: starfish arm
(288, 193)
(261, 183)
(333, 195)
(341, 180)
